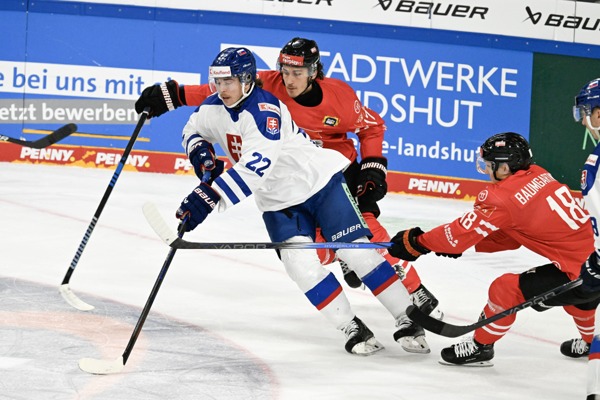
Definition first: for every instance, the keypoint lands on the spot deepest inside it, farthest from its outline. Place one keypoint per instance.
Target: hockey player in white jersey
(297, 186)
(587, 111)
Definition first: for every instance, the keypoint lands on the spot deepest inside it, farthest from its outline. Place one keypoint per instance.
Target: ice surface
(231, 324)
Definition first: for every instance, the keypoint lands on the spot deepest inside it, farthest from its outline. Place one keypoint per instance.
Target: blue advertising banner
(440, 102)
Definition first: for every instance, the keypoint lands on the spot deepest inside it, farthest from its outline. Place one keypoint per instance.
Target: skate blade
(478, 364)
(367, 348)
(415, 344)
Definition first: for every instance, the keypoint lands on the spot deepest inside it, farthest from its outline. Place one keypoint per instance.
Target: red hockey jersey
(531, 209)
(340, 112)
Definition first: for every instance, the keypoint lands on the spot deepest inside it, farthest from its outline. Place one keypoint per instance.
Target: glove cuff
(171, 93)
(411, 244)
(378, 163)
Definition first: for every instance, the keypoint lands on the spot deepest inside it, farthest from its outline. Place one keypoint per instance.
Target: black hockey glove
(590, 274)
(203, 159)
(448, 255)
(197, 205)
(405, 245)
(372, 186)
(161, 98)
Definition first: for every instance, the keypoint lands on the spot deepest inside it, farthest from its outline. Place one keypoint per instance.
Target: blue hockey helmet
(587, 99)
(234, 62)
(508, 147)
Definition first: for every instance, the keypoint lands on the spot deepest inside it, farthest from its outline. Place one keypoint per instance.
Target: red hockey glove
(197, 205)
(371, 185)
(406, 246)
(161, 98)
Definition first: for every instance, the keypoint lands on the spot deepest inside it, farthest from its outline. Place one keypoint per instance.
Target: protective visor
(579, 112)
(216, 72)
(481, 165)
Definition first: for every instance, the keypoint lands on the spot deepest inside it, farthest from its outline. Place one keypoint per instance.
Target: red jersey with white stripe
(340, 112)
(529, 208)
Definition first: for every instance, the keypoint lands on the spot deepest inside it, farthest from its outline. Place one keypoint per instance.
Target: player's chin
(292, 92)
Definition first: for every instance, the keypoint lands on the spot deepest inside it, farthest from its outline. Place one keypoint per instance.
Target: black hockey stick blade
(168, 236)
(448, 330)
(46, 141)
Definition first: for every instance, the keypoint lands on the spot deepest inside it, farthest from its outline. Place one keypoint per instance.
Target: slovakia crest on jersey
(584, 179)
(273, 126)
(234, 146)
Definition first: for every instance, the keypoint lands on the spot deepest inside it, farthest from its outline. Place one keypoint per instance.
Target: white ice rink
(231, 324)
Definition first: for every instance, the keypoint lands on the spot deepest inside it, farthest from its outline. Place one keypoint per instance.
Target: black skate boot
(575, 348)
(350, 276)
(410, 336)
(468, 353)
(359, 339)
(427, 302)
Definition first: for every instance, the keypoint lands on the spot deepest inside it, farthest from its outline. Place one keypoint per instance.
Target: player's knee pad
(361, 261)
(504, 292)
(303, 265)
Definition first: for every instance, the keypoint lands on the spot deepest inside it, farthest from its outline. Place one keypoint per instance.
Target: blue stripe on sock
(323, 290)
(379, 276)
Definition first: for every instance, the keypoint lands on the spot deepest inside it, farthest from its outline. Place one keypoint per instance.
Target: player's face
(295, 80)
(594, 120)
(229, 89)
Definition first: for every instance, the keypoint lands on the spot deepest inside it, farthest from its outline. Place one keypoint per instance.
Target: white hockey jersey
(590, 189)
(271, 157)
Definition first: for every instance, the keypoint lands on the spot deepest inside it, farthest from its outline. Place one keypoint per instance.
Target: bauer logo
(434, 9)
(345, 232)
(562, 21)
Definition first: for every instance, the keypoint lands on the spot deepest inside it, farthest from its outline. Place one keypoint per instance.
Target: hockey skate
(411, 336)
(468, 353)
(350, 276)
(427, 302)
(422, 297)
(575, 348)
(359, 339)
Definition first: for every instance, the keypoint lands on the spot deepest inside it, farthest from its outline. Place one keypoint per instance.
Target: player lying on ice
(326, 109)
(298, 186)
(524, 206)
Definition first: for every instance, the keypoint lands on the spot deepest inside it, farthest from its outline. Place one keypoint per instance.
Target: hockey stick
(105, 367)
(64, 288)
(448, 330)
(46, 141)
(161, 228)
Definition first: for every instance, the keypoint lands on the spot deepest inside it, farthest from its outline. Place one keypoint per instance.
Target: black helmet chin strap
(309, 82)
